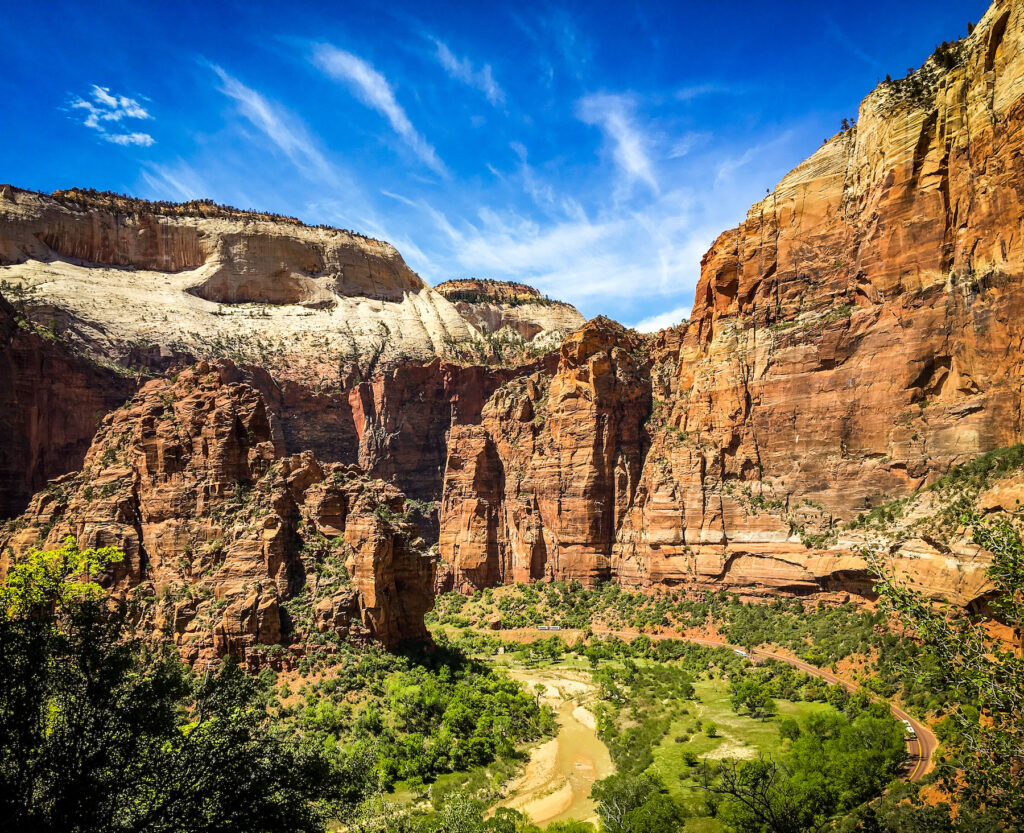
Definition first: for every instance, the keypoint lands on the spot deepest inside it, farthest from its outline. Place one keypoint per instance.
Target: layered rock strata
(308, 303)
(232, 546)
(51, 400)
(537, 490)
(493, 306)
(856, 336)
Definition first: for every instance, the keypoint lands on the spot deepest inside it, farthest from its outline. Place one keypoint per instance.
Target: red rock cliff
(539, 488)
(51, 400)
(233, 546)
(860, 332)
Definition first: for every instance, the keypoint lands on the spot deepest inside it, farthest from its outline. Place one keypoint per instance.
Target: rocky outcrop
(337, 333)
(51, 400)
(492, 306)
(856, 336)
(232, 546)
(539, 488)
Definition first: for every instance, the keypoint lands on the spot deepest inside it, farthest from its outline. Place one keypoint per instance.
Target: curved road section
(921, 748)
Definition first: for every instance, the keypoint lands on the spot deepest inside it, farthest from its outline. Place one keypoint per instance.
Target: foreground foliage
(986, 726)
(99, 732)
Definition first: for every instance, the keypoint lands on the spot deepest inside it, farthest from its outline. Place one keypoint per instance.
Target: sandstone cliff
(338, 333)
(859, 333)
(165, 280)
(232, 546)
(51, 400)
(856, 336)
(538, 489)
(492, 306)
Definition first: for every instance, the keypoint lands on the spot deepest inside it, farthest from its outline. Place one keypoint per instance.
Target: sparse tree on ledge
(986, 673)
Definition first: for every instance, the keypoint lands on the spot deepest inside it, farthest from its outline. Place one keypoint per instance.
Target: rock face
(492, 306)
(537, 490)
(859, 333)
(51, 401)
(856, 336)
(232, 546)
(338, 334)
(200, 280)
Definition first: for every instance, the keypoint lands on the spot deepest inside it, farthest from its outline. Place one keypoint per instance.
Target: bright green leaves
(55, 581)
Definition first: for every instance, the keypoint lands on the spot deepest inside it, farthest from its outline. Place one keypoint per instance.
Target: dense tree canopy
(100, 732)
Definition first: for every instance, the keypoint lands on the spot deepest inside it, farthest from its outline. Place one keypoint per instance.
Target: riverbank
(556, 784)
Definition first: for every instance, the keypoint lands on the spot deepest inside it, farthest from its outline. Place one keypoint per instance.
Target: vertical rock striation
(859, 333)
(232, 546)
(539, 488)
(51, 401)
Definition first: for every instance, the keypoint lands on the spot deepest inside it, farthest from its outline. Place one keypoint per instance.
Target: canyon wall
(51, 401)
(493, 306)
(312, 304)
(857, 335)
(537, 489)
(231, 545)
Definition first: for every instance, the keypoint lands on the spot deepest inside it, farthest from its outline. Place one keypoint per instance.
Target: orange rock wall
(859, 333)
(230, 544)
(51, 401)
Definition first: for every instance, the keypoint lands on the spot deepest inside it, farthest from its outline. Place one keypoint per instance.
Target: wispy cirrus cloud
(104, 109)
(613, 115)
(848, 43)
(597, 260)
(695, 91)
(686, 143)
(286, 131)
(375, 91)
(461, 69)
(175, 180)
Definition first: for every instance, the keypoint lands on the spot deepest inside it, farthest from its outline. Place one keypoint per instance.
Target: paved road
(920, 748)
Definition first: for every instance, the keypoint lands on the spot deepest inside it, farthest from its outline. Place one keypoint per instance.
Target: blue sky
(592, 149)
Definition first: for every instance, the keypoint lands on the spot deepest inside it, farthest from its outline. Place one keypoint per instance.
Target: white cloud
(105, 108)
(687, 142)
(662, 320)
(398, 198)
(284, 130)
(613, 115)
(602, 262)
(373, 89)
(461, 69)
(729, 165)
(700, 90)
(843, 39)
(124, 139)
(636, 258)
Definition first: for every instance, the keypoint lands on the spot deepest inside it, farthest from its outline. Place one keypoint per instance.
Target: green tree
(635, 804)
(789, 728)
(101, 732)
(986, 674)
(761, 796)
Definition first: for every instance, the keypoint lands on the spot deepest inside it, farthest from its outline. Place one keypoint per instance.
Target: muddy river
(556, 783)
